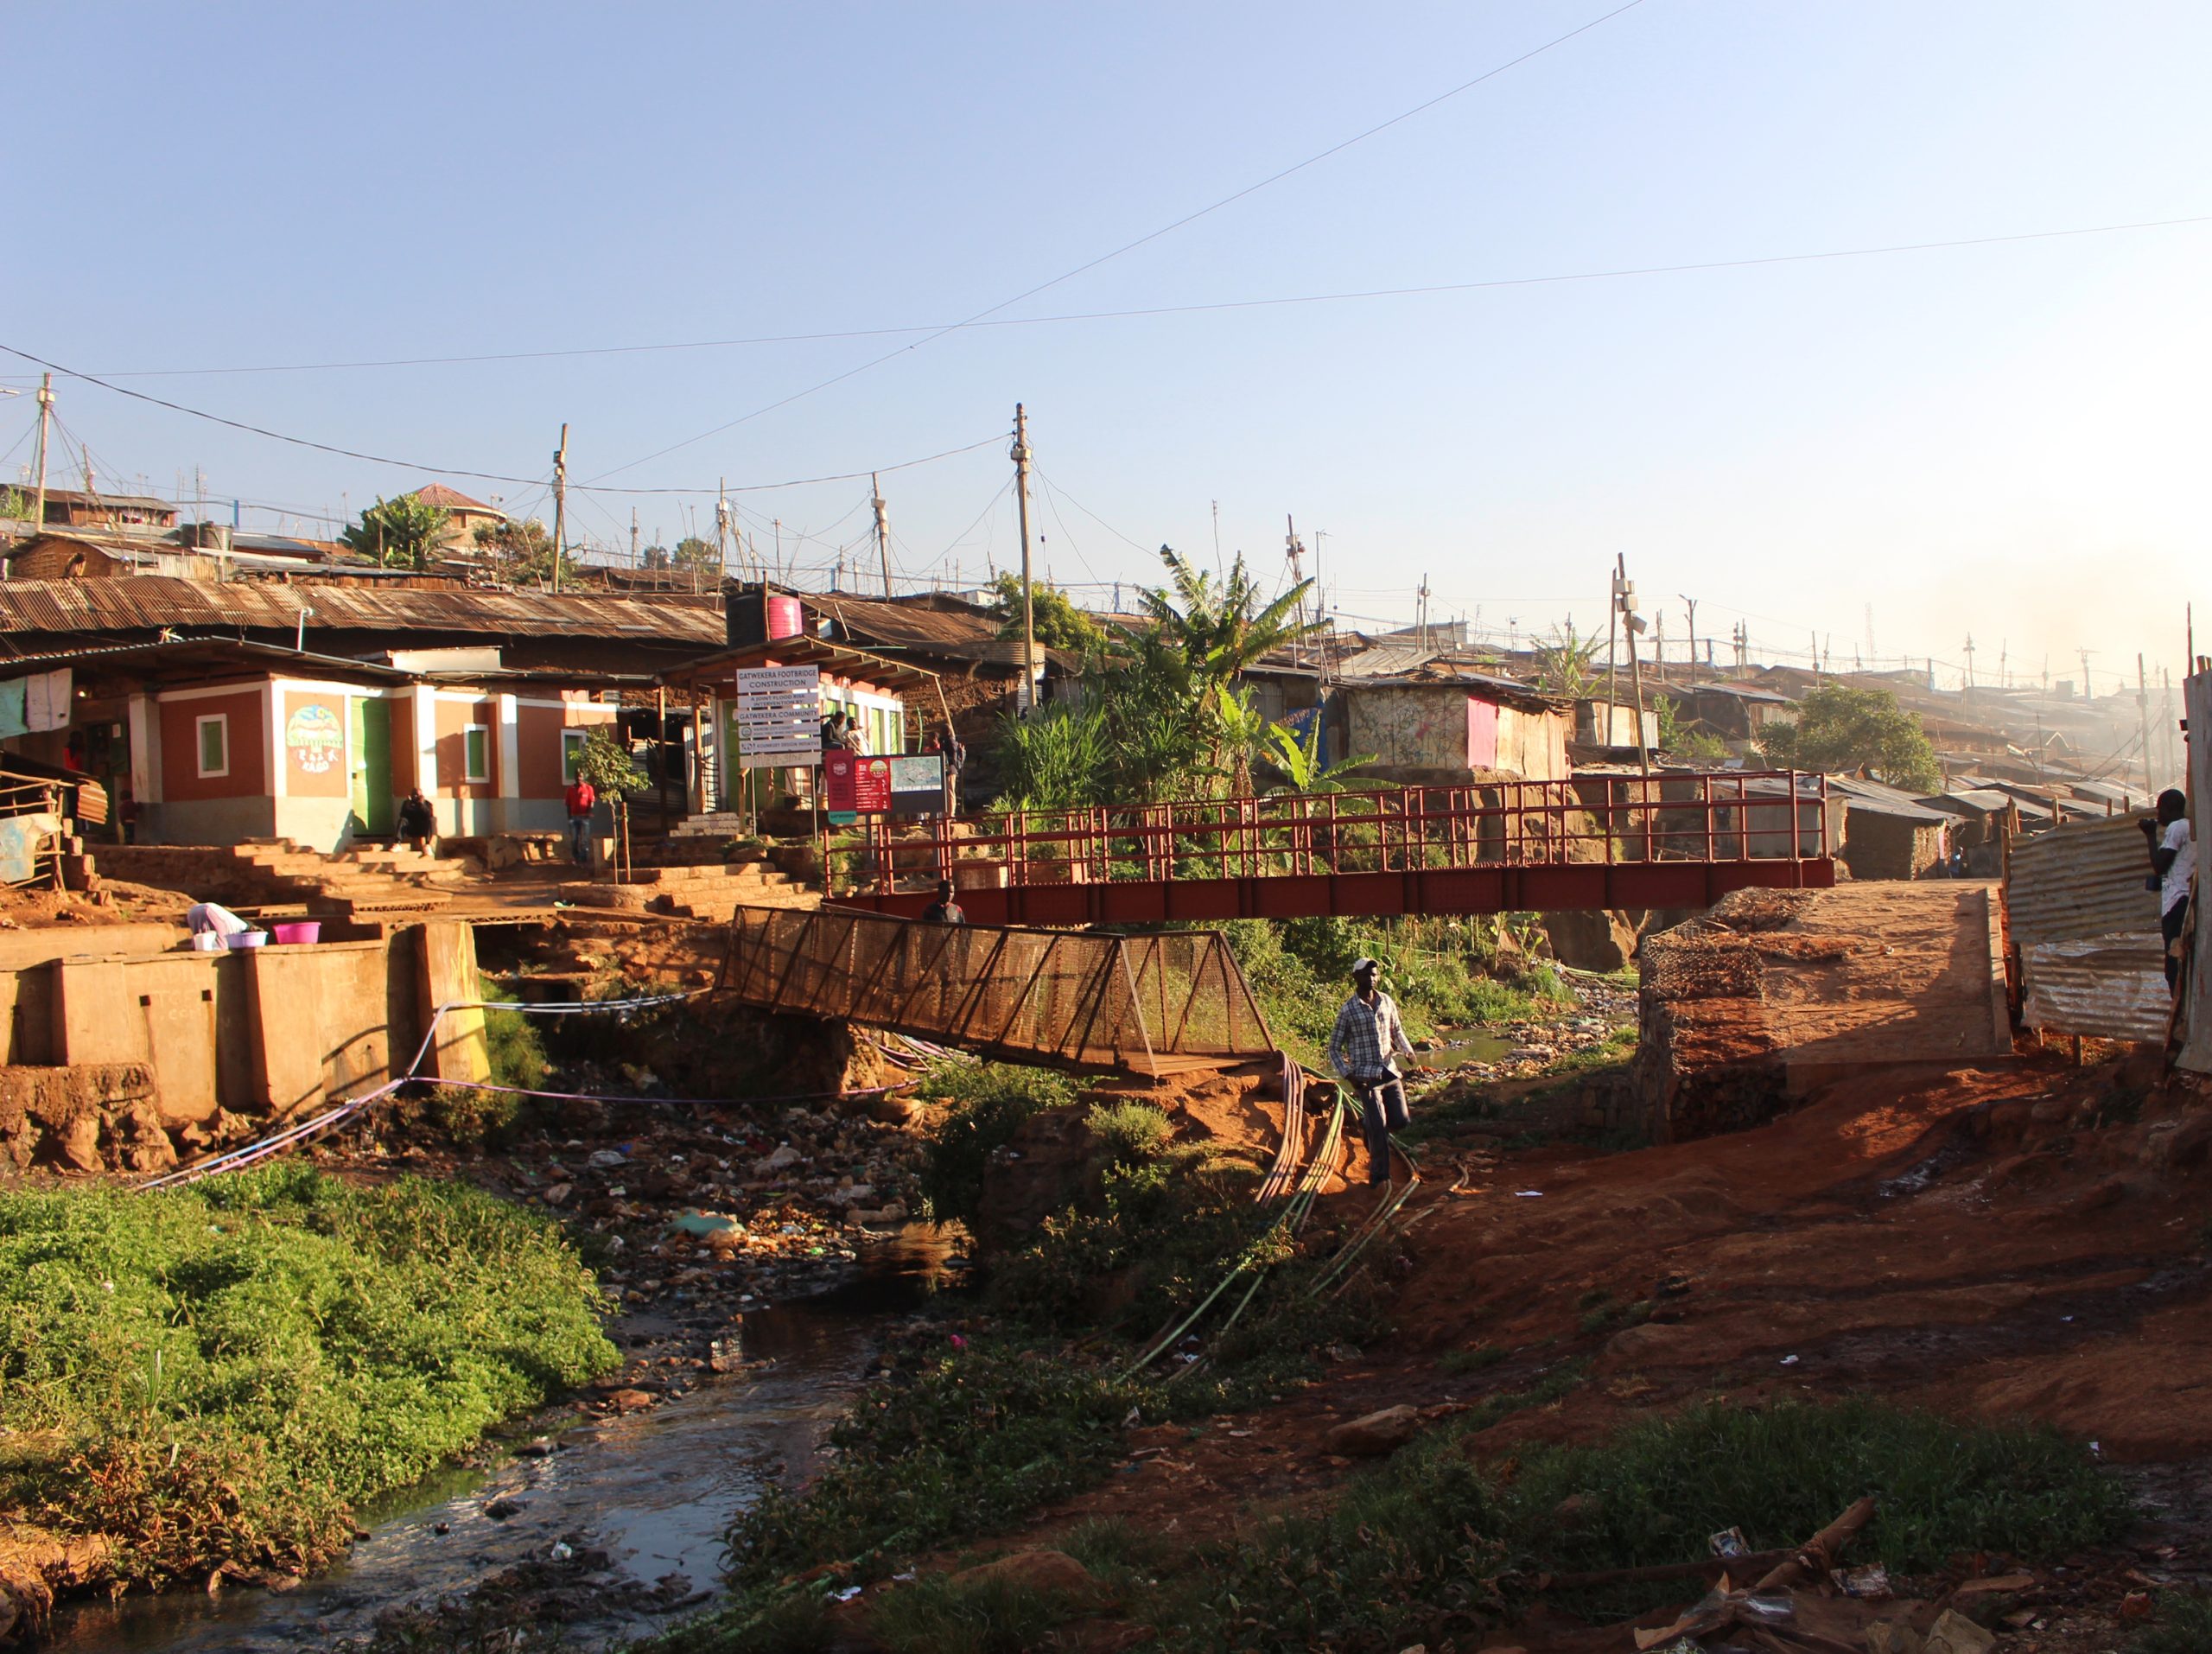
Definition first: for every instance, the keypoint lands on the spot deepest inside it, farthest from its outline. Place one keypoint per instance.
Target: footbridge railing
(1598, 839)
(1148, 1003)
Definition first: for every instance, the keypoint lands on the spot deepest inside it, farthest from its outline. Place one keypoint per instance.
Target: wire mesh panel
(1082, 997)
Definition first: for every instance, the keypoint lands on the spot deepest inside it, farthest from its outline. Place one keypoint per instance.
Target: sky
(1890, 452)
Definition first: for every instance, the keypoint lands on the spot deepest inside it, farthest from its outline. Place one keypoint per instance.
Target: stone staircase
(714, 891)
(366, 879)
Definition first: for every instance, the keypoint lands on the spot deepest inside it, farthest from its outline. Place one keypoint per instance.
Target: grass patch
(1432, 1544)
(517, 1053)
(221, 1373)
(989, 1103)
(1134, 1130)
(937, 1614)
(2183, 1626)
(1478, 1358)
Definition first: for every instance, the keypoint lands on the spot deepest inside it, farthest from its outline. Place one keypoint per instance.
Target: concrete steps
(353, 882)
(714, 891)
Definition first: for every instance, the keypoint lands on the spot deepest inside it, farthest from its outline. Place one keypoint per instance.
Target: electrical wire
(1142, 240)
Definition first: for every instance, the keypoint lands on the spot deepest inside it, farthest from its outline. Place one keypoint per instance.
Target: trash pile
(1803, 1601)
(1536, 1043)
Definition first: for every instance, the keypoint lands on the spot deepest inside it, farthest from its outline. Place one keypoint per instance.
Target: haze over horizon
(2004, 439)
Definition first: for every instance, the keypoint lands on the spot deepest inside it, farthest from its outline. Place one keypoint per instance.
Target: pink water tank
(785, 618)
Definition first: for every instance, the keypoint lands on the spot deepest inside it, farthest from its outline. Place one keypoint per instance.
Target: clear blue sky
(2009, 439)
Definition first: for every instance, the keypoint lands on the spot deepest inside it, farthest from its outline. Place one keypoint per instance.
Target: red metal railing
(1609, 820)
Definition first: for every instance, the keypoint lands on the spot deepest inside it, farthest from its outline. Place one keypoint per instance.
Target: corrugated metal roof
(1877, 799)
(148, 602)
(2087, 931)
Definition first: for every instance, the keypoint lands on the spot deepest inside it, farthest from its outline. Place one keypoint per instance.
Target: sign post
(778, 716)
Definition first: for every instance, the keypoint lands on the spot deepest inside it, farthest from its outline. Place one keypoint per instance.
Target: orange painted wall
(537, 742)
(180, 778)
(454, 717)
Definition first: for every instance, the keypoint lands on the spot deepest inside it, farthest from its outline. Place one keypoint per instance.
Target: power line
(456, 471)
(1149, 236)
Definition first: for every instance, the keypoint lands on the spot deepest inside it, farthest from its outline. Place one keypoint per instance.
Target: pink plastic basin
(299, 930)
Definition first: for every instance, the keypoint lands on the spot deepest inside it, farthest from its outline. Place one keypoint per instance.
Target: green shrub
(2183, 1626)
(989, 1103)
(937, 1614)
(518, 1054)
(221, 1371)
(1134, 1130)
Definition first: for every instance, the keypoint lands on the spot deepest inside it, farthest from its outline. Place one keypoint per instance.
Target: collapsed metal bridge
(1153, 1004)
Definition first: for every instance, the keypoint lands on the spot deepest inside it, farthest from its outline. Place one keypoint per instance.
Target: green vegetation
(1858, 731)
(1475, 1358)
(1058, 623)
(1433, 1536)
(406, 531)
(1134, 1130)
(221, 1373)
(990, 1101)
(1566, 665)
(521, 549)
(937, 1615)
(511, 1040)
(2183, 1626)
(1685, 740)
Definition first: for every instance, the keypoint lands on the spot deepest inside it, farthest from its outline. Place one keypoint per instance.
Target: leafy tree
(604, 760)
(692, 552)
(17, 502)
(1563, 666)
(1685, 739)
(654, 556)
(522, 550)
(1059, 624)
(406, 531)
(1859, 731)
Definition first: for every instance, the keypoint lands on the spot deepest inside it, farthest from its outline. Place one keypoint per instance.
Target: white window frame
(222, 722)
(470, 774)
(573, 738)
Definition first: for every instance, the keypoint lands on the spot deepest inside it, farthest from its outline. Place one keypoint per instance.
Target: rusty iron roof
(150, 603)
(2087, 931)
(802, 651)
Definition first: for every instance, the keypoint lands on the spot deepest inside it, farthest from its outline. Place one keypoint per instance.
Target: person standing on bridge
(1369, 1039)
(946, 909)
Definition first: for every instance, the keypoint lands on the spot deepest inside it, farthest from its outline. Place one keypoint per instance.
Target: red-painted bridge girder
(1462, 890)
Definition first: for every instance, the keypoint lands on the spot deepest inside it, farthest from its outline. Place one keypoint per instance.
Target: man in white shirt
(2173, 859)
(1364, 1047)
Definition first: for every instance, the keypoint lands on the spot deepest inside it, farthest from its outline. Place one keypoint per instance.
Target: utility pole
(560, 504)
(2142, 715)
(2086, 695)
(1021, 457)
(1966, 684)
(1690, 671)
(1741, 637)
(1421, 612)
(1294, 553)
(1632, 623)
(883, 532)
(1612, 660)
(45, 415)
(1659, 646)
(721, 526)
(636, 562)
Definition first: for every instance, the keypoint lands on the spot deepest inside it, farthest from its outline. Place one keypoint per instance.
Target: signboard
(315, 739)
(853, 784)
(918, 785)
(778, 716)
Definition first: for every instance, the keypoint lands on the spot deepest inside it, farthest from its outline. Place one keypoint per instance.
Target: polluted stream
(653, 1491)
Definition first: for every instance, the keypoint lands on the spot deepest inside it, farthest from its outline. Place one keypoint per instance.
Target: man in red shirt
(581, 799)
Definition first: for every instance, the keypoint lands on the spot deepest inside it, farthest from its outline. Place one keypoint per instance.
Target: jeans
(580, 840)
(2172, 923)
(1381, 1112)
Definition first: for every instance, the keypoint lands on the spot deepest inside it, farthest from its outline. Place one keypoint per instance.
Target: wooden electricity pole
(45, 414)
(560, 504)
(1690, 603)
(1629, 623)
(883, 532)
(1020, 456)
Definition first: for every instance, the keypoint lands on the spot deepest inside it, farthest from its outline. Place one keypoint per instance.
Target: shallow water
(654, 1490)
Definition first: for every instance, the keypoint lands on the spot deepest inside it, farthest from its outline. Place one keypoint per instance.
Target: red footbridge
(1595, 840)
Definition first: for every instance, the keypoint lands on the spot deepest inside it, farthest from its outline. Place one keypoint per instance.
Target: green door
(372, 802)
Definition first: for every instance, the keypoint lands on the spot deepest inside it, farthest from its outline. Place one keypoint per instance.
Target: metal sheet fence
(2087, 932)
(1086, 998)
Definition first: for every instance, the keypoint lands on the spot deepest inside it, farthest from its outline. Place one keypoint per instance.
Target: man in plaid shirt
(1368, 1037)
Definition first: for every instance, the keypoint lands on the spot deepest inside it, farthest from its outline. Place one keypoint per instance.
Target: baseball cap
(1361, 966)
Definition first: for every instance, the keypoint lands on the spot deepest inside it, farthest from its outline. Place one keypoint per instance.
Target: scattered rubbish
(1789, 1360)
(1131, 1419)
(1769, 1608)
(848, 1593)
(1528, 1194)
(562, 1552)
(705, 1223)
(1870, 1583)
(1729, 1541)
(602, 1160)
(1954, 1633)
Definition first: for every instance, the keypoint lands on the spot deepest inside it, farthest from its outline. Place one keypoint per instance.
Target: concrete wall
(262, 1034)
(1439, 733)
(1889, 847)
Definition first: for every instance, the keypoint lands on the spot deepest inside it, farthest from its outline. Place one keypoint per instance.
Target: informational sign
(315, 739)
(918, 785)
(778, 716)
(854, 785)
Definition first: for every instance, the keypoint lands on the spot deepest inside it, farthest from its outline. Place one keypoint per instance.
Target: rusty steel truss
(1150, 1004)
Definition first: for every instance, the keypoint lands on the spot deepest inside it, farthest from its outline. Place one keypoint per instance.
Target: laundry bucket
(208, 941)
(300, 930)
(245, 939)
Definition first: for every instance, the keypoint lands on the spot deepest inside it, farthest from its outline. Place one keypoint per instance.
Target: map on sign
(778, 716)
